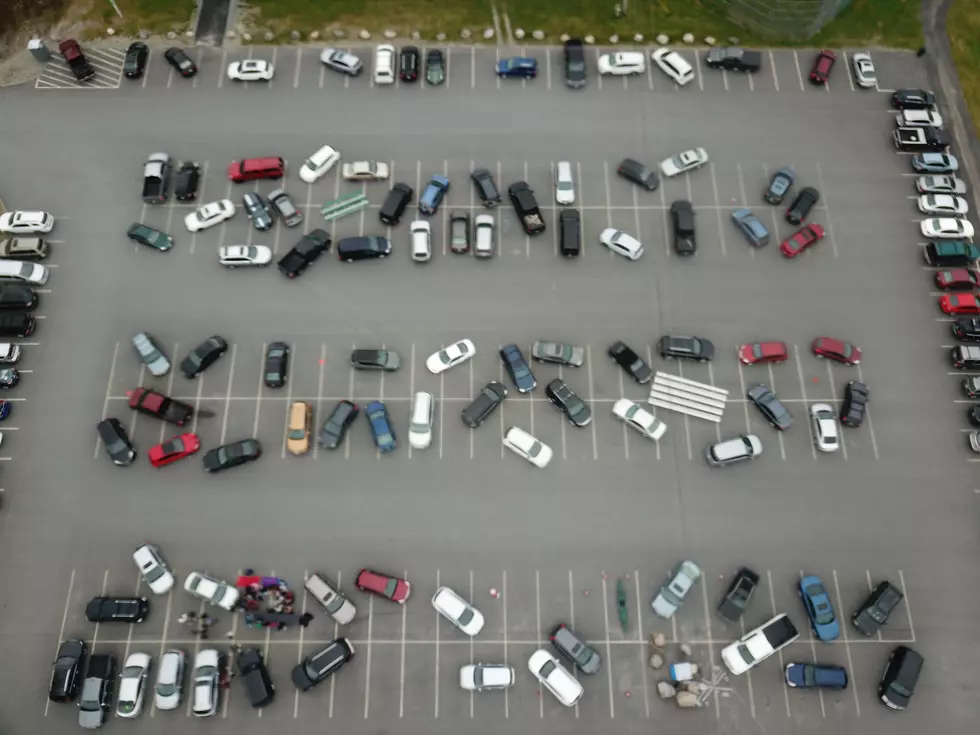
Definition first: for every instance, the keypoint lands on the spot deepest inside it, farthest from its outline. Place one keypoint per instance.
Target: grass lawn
(963, 27)
(156, 16)
(892, 23)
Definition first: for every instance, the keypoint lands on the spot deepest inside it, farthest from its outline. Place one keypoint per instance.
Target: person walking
(921, 52)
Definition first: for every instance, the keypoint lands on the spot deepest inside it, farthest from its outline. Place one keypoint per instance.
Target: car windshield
(576, 65)
(466, 616)
(153, 573)
(534, 450)
(26, 270)
(390, 586)
(116, 446)
(166, 689)
(901, 689)
(204, 672)
(681, 159)
(747, 657)
(513, 64)
(297, 434)
(384, 438)
(285, 205)
(220, 590)
(131, 672)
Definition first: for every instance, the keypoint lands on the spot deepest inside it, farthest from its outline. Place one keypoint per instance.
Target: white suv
(457, 611)
(555, 677)
(673, 65)
(211, 590)
(622, 63)
(483, 242)
(421, 241)
(384, 64)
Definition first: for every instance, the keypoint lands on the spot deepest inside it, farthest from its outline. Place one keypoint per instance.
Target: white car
(486, 677)
(234, 256)
(673, 65)
(946, 228)
(940, 185)
(684, 162)
(204, 692)
(943, 204)
(170, 680)
(318, 164)
(251, 70)
(564, 183)
(622, 63)
(26, 223)
(132, 685)
(365, 171)
(153, 569)
(483, 241)
(420, 421)
(21, 270)
(919, 119)
(210, 215)
(638, 418)
(521, 443)
(457, 611)
(212, 590)
(555, 678)
(384, 64)
(621, 243)
(825, 432)
(421, 236)
(864, 70)
(455, 354)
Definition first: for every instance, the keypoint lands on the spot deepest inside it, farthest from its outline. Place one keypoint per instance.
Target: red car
(822, 66)
(837, 350)
(761, 352)
(173, 449)
(801, 240)
(960, 303)
(395, 589)
(958, 279)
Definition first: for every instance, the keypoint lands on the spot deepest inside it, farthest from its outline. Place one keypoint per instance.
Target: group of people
(269, 603)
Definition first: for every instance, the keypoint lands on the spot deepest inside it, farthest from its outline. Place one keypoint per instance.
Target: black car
(310, 247)
(186, 181)
(913, 99)
(394, 204)
(135, 63)
(973, 414)
(276, 370)
(737, 596)
(568, 402)
(486, 187)
(435, 66)
(16, 297)
(732, 58)
(285, 207)
(800, 209)
(254, 675)
(569, 232)
(967, 330)
(575, 74)
(638, 173)
(257, 210)
(682, 216)
(459, 232)
(375, 360)
(203, 356)
(779, 186)
(366, 247)
(629, 361)
(874, 611)
(117, 609)
(338, 422)
(517, 367)
(685, 348)
(575, 649)
(232, 455)
(116, 441)
(855, 404)
(771, 408)
(321, 665)
(901, 674)
(9, 378)
(180, 61)
(150, 236)
(66, 672)
(485, 403)
(409, 61)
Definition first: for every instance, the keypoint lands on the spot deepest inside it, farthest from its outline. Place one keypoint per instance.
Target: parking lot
(897, 503)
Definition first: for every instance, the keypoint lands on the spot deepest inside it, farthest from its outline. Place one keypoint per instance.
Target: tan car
(300, 425)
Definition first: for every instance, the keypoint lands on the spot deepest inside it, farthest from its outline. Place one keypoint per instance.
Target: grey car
(257, 210)
(770, 407)
(285, 207)
(559, 353)
(751, 226)
(935, 163)
(151, 354)
(375, 360)
(675, 589)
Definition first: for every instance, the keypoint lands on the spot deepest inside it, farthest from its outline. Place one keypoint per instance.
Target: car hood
(89, 720)
(663, 607)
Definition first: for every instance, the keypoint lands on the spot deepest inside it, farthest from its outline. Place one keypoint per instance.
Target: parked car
(151, 354)
(285, 207)
(205, 682)
(825, 433)
(639, 419)
(779, 186)
(837, 350)
(234, 454)
(257, 210)
(116, 442)
(180, 61)
(365, 359)
(459, 232)
(170, 680)
(819, 609)
(457, 611)
(212, 591)
(638, 173)
(481, 677)
(763, 352)
(382, 432)
(133, 683)
(244, 256)
(486, 187)
(150, 236)
(628, 360)
(770, 407)
(67, 670)
(203, 356)
(675, 589)
(525, 445)
(518, 369)
(864, 70)
(337, 423)
(816, 676)
(823, 65)
(485, 403)
(855, 404)
(558, 353)
(435, 67)
(341, 61)
(517, 67)
(874, 612)
(575, 649)
(739, 593)
(320, 665)
(751, 226)
(378, 583)
(569, 403)
(153, 569)
(555, 678)
(134, 64)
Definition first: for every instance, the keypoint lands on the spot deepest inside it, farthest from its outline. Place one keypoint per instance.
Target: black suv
(257, 210)
(575, 649)
(395, 203)
(913, 99)
(486, 189)
(569, 232)
(518, 369)
(568, 402)
(310, 247)
(338, 422)
(66, 672)
(855, 404)
(117, 609)
(629, 361)
(485, 403)
(117, 444)
(900, 677)
(459, 232)
(770, 407)
(16, 297)
(366, 247)
(186, 181)
(375, 360)
(685, 348)
(409, 61)
(967, 330)
(203, 356)
(682, 216)
(638, 173)
(801, 206)
(874, 611)
(321, 665)
(276, 370)
(575, 74)
(255, 676)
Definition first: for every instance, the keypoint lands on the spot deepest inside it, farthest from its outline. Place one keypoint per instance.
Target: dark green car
(435, 67)
(146, 235)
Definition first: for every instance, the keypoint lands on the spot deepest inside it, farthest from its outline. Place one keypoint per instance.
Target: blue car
(520, 374)
(434, 193)
(5, 407)
(517, 67)
(753, 229)
(381, 430)
(816, 676)
(823, 620)
(935, 163)
(781, 182)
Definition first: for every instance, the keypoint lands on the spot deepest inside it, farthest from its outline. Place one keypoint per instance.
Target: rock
(189, 34)
(488, 34)
(269, 36)
(659, 640)
(687, 699)
(365, 34)
(638, 38)
(144, 35)
(666, 690)
(231, 34)
(564, 37)
(247, 37)
(338, 33)
(688, 38)
(537, 35)
(390, 34)
(416, 35)
(590, 39)
(465, 33)
(110, 31)
(733, 40)
(314, 35)
(686, 650)
(295, 35)
(656, 661)
(710, 40)
(614, 38)
(694, 687)
(519, 34)
(663, 39)
(171, 35)
(440, 36)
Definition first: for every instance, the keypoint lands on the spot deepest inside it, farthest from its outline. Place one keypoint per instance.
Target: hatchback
(394, 588)
(823, 65)
(751, 227)
(806, 237)
(483, 246)
(409, 61)
(435, 67)
(420, 233)
(486, 187)
(151, 354)
(779, 185)
(386, 360)
(762, 352)
(299, 428)
(517, 67)
(285, 207)
(459, 232)
(433, 194)
(913, 99)
(322, 664)
(382, 432)
(876, 609)
(116, 442)
(457, 611)
(334, 429)
(802, 205)
(170, 680)
(341, 61)
(135, 62)
(854, 407)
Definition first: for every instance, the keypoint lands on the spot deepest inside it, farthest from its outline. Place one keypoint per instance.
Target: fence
(785, 20)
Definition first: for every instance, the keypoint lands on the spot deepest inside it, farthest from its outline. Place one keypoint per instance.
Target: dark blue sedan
(381, 430)
(816, 676)
(433, 194)
(5, 407)
(520, 374)
(517, 67)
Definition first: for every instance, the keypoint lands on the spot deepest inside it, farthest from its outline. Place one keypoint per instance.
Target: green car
(146, 235)
(435, 67)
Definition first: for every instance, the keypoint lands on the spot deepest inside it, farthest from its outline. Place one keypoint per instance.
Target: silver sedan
(559, 353)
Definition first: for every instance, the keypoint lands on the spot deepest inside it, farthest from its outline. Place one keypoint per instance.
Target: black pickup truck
(526, 206)
(739, 593)
(156, 178)
(734, 59)
(72, 54)
(932, 140)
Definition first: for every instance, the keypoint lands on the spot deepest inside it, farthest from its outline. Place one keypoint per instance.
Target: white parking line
(847, 647)
(847, 68)
(197, 402)
(813, 656)
(687, 434)
(605, 176)
(471, 643)
(835, 405)
(473, 68)
(231, 380)
(745, 201)
(707, 622)
(714, 188)
(867, 415)
(163, 642)
(782, 663)
(711, 380)
(537, 615)
(471, 398)
(626, 442)
(299, 64)
(697, 64)
(799, 74)
(136, 414)
(642, 649)
(299, 647)
(561, 421)
(435, 713)
(449, 54)
(588, 356)
(581, 212)
(367, 666)
(571, 621)
(500, 367)
(350, 393)
(598, 77)
(779, 434)
(401, 694)
(411, 391)
(221, 69)
(64, 621)
(772, 65)
(653, 409)
(95, 633)
(336, 635)
(609, 664)
(317, 410)
(908, 607)
(547, 56)
(724, 78)
(258, 392)
(108, 393)
(648, 53)
(806, 404)
(503, 592)
(830, 219)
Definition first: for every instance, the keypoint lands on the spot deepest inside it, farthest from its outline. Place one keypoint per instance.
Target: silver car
(559, 353)
(151, 354)
(864, 70)
(170, 680)
(675, 589)
(342, 61)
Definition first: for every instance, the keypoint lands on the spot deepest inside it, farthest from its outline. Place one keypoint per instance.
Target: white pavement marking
(598, 77)
(496, 66)
(605, 176)
(149, 57)
(299, 647)
(223, 67)
(779, 434)
(609, 667)
(642, 649)
(441, 402)
(571, 620)
(170, 391)
(908, 607)
(524, 83)
(64, 621)
(401, 693)
(500, 366)
(95, 633)
(595, 442)
(289, 398)
(336, 635)
(473, 68)
(317, 411)
(813, 656)
(411, 392)
(697, 64)
(830, 219)
(847, 646)
(867, 575)
(687, 420)
(449, 54)
(835, 405)
(664, 207)
(436, 705)
(775, 81)
(299, 64)
(258, 393)
(367, 667)
(711, 379)
(653, 409)
(231, 378)
(806, 403)
(724, 78)
(537, 615)
(499, 225)
(626, 441)
(581, 207)
(503, 592)
(745, 202)
(782, 663)
(547, 56)
(649, 70)
(799, 75)
(711, 647)
(847, 67)
(748, 674)
(163, 641)
(471, 643)
(132, 421)
(197, 402)
(867, 415)
(265, 647)
(527, 238)
(561, 421)
(350, 395)
(721, 225)
(129, 628)
(444, 207)
(751, 89)
(108, 394)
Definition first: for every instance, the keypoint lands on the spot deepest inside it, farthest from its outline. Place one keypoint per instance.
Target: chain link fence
(785, 20)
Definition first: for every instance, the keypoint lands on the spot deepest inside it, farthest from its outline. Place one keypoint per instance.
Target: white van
(420, 424)
(340, 608)
(9, 352)
(564, 183)
(739, 449)
(384, 64)
(421, 233)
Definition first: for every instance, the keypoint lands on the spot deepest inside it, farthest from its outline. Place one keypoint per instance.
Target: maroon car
(956, 279)
(837, 350)
(822, 66)
(763, 352)
(395, 589)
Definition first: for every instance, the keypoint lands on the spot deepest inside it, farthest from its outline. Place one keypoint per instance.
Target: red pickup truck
(162, 407)
(72, 54)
